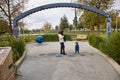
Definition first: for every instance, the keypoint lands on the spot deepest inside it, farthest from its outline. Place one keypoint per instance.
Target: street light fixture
(117, 12)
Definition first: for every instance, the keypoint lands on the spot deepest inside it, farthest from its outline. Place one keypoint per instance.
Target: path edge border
(114, 64)
(19, 62)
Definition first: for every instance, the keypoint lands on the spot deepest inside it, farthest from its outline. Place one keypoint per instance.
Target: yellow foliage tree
(47, 26)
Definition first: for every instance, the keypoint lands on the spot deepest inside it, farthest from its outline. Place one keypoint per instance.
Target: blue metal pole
(108, 27)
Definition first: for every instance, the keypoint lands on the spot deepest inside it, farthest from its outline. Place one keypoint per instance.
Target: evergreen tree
(75, 22)
(63, 23)
(56, 27)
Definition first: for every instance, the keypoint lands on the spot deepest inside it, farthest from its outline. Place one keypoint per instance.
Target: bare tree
(9, 9)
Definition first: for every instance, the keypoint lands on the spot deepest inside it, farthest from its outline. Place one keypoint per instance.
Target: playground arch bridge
(58, 5)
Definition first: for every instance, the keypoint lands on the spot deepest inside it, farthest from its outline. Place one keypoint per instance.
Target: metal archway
(57, 5)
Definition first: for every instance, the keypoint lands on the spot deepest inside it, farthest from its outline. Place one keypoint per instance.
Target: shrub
(54, 37)
(28, 38)
(4, 41)
(16, 55)
(68, 37)
(112, 47)
(51, 37)
(95, 40)
(18, 45)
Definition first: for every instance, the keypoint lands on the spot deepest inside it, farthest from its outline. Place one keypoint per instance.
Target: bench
(81, 37)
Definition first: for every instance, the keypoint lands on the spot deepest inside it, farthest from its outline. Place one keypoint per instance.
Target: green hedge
(18, 46)
(51, 37)
(54, 37)
(47, 37)
(110, 47)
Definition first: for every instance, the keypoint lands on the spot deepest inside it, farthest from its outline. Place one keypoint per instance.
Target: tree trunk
(98, 24)
(9, 18)
(10, 26)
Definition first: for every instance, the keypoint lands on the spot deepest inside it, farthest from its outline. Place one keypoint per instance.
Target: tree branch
(3, 10)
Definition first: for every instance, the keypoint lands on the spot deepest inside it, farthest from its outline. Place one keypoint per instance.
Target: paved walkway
(44, 63)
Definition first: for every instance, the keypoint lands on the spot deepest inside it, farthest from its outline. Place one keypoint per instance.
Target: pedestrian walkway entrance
(57, 5)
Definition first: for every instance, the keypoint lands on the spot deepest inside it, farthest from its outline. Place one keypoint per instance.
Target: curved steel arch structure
(57, 5)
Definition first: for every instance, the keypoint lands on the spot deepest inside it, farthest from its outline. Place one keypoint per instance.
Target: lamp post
(117, 12)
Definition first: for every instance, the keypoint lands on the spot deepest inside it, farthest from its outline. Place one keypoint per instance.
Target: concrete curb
(115, 65)
(19, 62)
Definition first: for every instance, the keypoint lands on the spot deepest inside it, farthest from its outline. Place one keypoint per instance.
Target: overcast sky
(53, 15)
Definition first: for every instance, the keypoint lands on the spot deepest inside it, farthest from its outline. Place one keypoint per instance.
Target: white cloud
(117, 4)
(52, 15)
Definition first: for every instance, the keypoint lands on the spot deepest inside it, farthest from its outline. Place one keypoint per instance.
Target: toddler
(76, 47)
